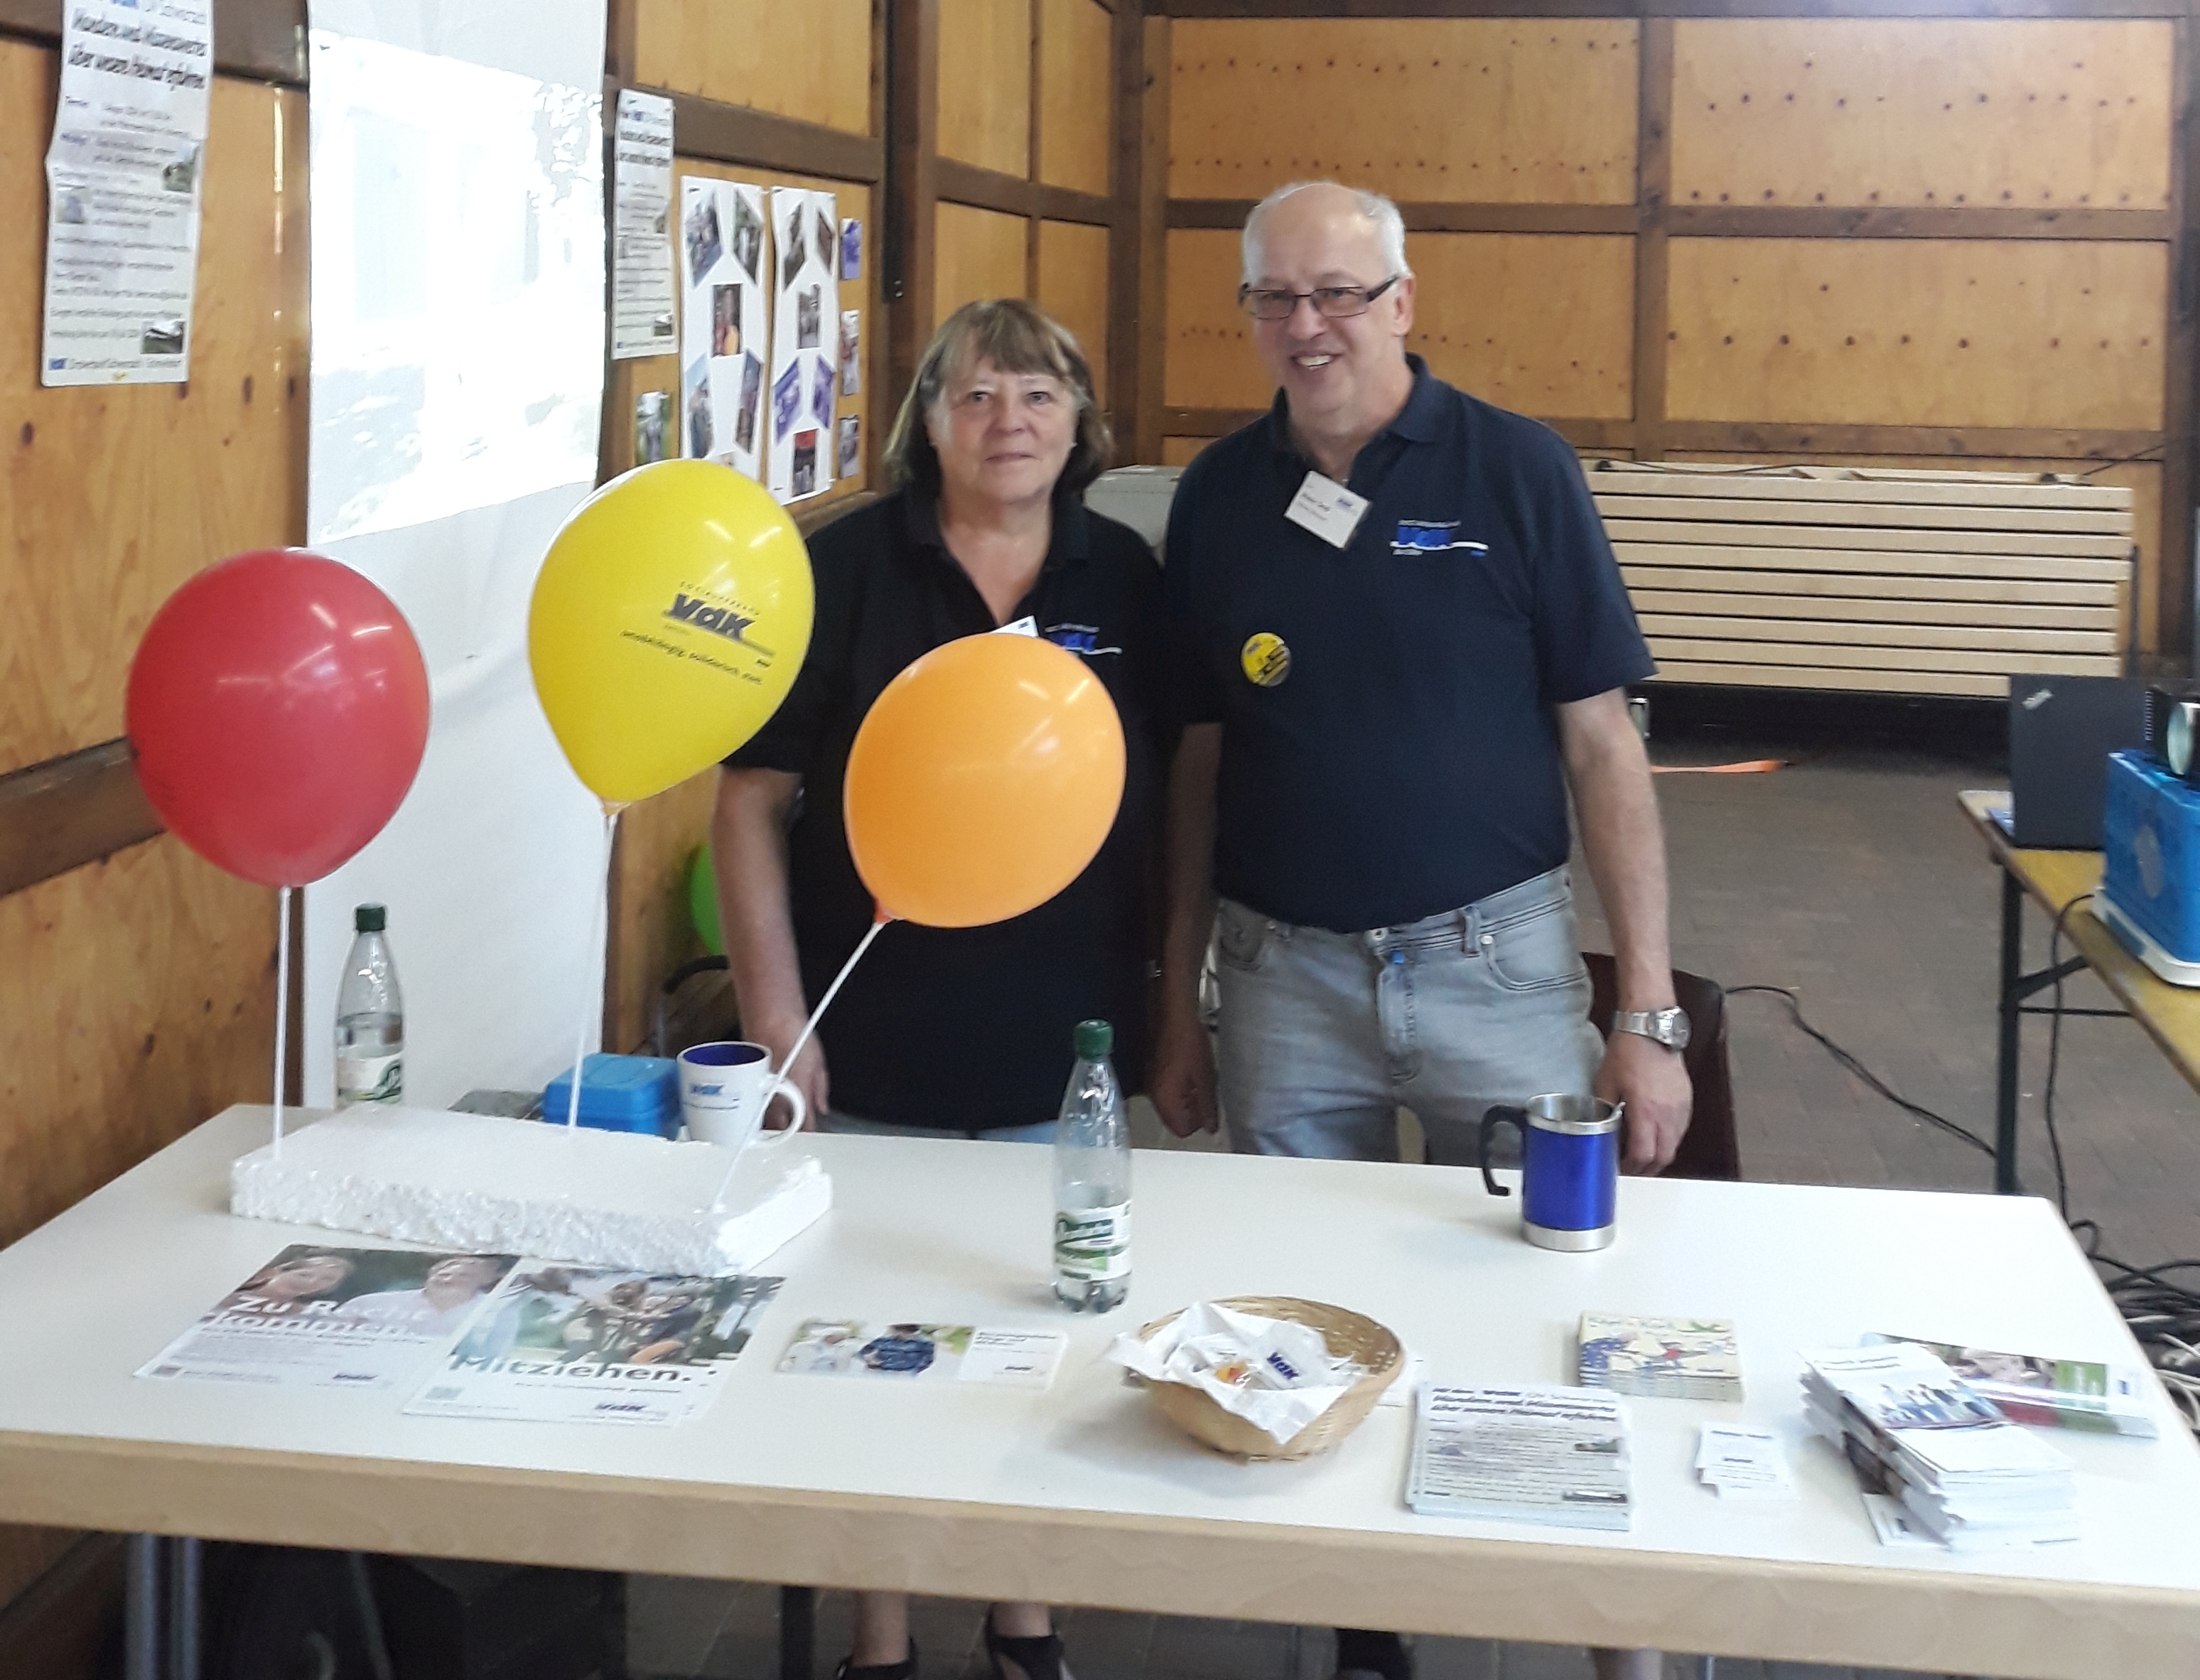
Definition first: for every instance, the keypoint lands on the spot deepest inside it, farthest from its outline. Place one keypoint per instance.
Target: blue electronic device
(2150, 895)
(621, 1093)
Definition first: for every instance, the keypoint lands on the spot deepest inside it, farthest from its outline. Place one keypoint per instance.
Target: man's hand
(1652, 1081)
(1183, 1086)
(807, 1076)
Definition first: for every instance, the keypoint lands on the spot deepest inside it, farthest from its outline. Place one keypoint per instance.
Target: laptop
(2060, 732)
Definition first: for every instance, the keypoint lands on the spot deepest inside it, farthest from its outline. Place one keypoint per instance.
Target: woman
(950, 1033)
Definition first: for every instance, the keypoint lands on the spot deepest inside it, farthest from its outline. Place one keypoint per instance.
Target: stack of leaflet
(1529, 1455)
(1914, 1430)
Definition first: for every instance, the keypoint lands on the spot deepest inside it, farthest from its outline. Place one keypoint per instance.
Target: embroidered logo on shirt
(1265, 659)
(1432, 536)
(1076, 639)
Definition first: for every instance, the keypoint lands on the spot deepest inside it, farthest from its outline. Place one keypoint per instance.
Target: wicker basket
(1350, 1336)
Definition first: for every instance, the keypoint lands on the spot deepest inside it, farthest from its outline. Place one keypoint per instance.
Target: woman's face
(1003, 437)
(309, 1274)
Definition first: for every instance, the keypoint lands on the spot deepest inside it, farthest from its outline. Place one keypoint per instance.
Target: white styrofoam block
(488, 1185)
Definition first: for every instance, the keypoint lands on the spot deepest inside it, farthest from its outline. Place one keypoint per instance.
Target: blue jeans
(1325, 1035)
(832, 1121)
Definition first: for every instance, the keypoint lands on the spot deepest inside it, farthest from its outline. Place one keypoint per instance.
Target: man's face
(1339, 374)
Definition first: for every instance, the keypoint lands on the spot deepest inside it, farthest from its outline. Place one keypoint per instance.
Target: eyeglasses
(1336, 302)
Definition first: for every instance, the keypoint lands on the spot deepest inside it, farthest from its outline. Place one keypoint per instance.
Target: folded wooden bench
(1866, 579)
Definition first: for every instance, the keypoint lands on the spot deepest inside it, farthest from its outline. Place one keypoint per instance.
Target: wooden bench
(1863, 578)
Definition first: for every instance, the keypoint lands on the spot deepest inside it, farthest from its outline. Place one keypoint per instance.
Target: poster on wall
(122, 183)
(723, 321)
(641, 233)
(804, 348)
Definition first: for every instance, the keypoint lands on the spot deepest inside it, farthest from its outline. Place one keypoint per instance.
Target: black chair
(1708, 1151)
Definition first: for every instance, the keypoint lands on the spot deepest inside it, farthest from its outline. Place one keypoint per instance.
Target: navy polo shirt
(966, 1027)
(1389, 746)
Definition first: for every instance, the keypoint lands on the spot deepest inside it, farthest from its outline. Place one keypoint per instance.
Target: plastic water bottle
(1092, 1181)
(369, 1017)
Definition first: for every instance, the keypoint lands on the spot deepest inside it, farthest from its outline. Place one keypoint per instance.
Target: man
(1399, 637)
(443, 1301)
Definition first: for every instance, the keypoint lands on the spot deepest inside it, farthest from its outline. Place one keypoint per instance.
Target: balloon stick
(282, 1004)
(591, 1005)
(718, 1197)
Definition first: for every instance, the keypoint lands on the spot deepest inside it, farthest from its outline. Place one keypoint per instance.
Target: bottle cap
(369, 919)
(1094, 1039)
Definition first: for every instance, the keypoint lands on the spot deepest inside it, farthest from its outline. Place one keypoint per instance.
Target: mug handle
(1491, 1119)
(764, 1137)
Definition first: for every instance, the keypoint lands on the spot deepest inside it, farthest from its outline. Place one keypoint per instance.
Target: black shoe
(1034, 1658)
(904, 1670)
(1364, 1652)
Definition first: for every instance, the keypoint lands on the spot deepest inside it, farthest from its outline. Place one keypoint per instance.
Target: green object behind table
(703, 901)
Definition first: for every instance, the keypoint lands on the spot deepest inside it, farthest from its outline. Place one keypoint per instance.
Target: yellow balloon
(670, 618)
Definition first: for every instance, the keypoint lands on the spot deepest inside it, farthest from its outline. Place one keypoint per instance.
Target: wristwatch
(1669, 1027)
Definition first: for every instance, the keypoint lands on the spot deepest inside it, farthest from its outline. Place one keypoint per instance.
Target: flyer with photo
(723, 320)
(561, 1343)
(805, 342)
(642, 242)
(910, 1352)
(317, 1317)
(123, 179)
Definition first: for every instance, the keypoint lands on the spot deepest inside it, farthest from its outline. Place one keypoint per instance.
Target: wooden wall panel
(1076, 95)
(810, 60)
(1923, 333)
(2142, 478)
(2022, 115)
(986, 83)
(651, 932)
(1541, 323)
(1073, 287)
(114, 495)
(1471, 110)
(980, 253)
(1182, 451)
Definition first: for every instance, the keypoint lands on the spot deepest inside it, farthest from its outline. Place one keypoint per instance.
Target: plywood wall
(980, 253)
(2061, 113)
(2032, 333)
(115, 496)
(1072, 288)
(1076, 95)
(986, 83)
(794, 61)
(1479, 110)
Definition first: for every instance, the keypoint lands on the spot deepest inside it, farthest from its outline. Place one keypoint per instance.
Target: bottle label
(370, 1079)
(1092, 1244)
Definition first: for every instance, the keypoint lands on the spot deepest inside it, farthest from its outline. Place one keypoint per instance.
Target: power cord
(2163, 1317)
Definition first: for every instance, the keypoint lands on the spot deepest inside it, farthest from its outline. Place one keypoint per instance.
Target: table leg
(141, 1607)
(2006, 1060)
(185, 1557)
(798, 1632)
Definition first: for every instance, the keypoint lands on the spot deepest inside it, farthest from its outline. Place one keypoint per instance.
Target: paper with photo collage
(725, 271)
(805, 341)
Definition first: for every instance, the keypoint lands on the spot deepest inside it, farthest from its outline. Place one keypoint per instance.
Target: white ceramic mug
(725, 1089)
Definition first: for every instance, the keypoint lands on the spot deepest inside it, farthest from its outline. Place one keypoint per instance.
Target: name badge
(1327, 509)
(1024, 626)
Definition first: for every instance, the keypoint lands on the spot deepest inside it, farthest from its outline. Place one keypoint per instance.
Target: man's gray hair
(1389, 225)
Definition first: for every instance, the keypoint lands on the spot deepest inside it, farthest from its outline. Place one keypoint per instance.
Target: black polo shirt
(1401, 758)
(966, 1027)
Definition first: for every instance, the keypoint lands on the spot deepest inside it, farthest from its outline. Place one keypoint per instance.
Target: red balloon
(278, 705)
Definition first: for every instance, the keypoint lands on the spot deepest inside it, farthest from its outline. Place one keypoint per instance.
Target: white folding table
(1082, 1495)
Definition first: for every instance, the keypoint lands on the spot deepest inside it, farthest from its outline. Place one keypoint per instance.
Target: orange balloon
(983, 781)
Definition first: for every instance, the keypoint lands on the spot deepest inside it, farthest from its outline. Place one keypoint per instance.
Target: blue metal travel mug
(1569, 1169)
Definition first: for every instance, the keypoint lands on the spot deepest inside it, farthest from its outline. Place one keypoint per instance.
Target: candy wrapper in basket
(1277, 1375)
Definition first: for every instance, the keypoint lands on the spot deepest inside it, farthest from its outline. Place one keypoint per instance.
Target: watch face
(1676, 1025)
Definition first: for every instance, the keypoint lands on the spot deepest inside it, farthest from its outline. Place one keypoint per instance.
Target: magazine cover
(586, 1344)
(1673, 1358)
(317, 1317)
(908, 1352)
(2056, 1393)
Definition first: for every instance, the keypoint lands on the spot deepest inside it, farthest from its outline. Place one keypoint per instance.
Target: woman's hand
(1183, 1089)
(807, 1076)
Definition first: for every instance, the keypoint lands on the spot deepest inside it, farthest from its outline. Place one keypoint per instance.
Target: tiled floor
(1850, 876)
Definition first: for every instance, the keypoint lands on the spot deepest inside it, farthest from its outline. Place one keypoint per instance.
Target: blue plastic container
(621, 1093)
(2150, 853)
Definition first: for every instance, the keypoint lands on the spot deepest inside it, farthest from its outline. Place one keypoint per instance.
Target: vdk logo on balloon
(719, 620)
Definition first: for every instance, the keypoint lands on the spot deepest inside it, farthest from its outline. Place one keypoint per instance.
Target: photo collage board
(763, 337)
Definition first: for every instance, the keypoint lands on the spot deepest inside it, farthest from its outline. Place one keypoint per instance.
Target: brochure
(1665, 1358)
(316, 1317)
(907, 1352)
(1532, 1454)
(563, 1344)
(2055, 1393)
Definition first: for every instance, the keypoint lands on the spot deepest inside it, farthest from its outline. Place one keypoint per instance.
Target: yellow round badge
(1266, 660)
